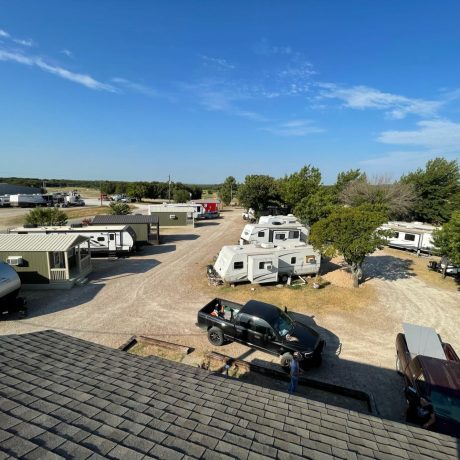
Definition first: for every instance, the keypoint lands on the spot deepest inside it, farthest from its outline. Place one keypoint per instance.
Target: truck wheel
(216, 336)
(286, 361)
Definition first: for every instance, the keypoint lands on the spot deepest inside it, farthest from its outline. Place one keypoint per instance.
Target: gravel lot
(153, 293)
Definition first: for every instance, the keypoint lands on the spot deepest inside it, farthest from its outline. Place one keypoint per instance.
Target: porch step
(81, 281)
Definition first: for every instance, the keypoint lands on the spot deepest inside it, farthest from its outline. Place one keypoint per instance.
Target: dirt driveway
(154, 293)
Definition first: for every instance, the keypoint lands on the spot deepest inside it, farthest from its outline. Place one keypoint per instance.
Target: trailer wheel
(284, 278)
(216, 336)
(285, 361)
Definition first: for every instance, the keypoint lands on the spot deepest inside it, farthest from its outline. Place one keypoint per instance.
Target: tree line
(345, 217)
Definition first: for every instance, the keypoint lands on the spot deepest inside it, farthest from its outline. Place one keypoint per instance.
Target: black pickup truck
(262, 326)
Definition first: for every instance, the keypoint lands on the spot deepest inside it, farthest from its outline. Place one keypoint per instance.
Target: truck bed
(230, 310)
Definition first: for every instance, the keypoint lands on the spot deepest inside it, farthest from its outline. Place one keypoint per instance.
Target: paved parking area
(151, 293)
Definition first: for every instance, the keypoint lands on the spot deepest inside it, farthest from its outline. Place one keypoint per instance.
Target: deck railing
(58, 274)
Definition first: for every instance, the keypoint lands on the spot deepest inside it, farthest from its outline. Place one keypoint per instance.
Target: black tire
(216, 336)
(284, 278)
(286, 360)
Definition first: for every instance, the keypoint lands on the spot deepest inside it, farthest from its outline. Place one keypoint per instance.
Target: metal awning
(423, 340)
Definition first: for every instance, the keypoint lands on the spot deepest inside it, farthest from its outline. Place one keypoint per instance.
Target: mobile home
(104, 239)
(266, 263)
(47, 261)
(412, 236)
(171, 215)
(276, 233)
(146, 228)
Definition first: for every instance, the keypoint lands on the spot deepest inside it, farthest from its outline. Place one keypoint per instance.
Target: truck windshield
(446, 403)
(282, 324)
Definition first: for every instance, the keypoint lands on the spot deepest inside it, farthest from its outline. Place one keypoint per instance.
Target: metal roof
(68, 228)
(39, 242)
(207, 200)
(171, 209)
(124, 219)
(423, 340)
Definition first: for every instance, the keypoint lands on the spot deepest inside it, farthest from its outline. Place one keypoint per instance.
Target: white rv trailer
(276, 233)
(4, 201)
(279, 220)
(413, 236)
(266, 263)
(104, 239)
(9, 285)
(23, 200)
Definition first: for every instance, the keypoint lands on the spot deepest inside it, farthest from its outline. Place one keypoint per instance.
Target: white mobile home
(274, 233)
(103, 239)
(412, 236)
(266, 263)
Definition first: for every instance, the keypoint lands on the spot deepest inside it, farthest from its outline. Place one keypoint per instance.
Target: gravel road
(151, 293)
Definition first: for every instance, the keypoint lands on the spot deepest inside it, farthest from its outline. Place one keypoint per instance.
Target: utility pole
(169, 188)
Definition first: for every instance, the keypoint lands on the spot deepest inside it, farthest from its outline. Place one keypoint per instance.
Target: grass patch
(90, 211)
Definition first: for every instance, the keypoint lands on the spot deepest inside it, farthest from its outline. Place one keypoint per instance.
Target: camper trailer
(266, 263)
(276, 233)
(104, 239)
(290, 219)
(412, 236)
(9, 287)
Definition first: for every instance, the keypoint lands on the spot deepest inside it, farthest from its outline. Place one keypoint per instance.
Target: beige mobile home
(54, 261)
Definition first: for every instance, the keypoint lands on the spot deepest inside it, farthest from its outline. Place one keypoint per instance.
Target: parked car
(262, 326)
(433, 375)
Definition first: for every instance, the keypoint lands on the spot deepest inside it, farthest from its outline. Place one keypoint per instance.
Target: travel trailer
(4, 201)
(265, 263)
(276, 233)
(412, 236)
(279, 220)
(9, 286)
(27, 200)
(104, 239)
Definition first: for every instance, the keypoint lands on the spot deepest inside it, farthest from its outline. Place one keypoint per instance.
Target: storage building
(47, 261)
(147, 228)
(173, 216)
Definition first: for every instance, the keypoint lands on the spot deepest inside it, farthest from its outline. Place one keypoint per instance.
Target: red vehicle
(210, 205)
(431, 368)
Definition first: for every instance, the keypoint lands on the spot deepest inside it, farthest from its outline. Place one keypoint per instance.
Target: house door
(112, 242)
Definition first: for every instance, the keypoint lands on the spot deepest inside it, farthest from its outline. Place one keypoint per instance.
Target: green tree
(258, 192)
(437, 189)
(137, 190)
(447, 239)
(345, 177)
(316, 206)
(228, 190)
(352, 233)
(180, 195)
(300, 185)
(46, 217)
(119, 208)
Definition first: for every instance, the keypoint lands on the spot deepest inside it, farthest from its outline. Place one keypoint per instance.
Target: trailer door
(262, 269)
(112, 242)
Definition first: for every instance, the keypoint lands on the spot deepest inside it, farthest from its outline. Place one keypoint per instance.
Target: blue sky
(201, 90)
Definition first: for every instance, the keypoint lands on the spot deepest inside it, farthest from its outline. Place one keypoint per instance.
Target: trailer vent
(14, 261)
(172, 216)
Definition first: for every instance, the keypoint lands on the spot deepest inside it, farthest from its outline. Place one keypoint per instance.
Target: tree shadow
(104, 269)
(388, 268)
(178, 237)
(153, 250)
(328, 266)
(206, 223)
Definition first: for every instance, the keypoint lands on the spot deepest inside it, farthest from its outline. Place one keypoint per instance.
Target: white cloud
(436, 135)
(33, 61)
(364, 97)
(27, 42)
(219, 63)
(400, 159)
(138, 87)
(67, 53)
(4, 33)
(295, 128)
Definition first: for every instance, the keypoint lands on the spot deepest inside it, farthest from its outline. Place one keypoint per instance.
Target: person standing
(294, 373)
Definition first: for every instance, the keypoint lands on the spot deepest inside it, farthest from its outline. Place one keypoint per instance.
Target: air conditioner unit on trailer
(14, 260)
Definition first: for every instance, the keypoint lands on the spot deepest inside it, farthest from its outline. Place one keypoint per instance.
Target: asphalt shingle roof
(124, 219)
(39, 242)
(64, 397)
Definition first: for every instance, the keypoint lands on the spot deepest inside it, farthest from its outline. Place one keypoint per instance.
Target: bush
(119, 209)
(46, 217)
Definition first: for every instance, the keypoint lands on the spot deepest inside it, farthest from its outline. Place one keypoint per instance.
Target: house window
(261, 234)
(409, 237)
(294, 234)
(238, 265)
(293, 260)
(57, 260)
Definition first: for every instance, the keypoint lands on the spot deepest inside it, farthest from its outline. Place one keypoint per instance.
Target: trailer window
(238, 265)
(396, 235)
(294, 234)
(293, 260)
(310, 260)
(409, 237)
(100, 238)
(261, 234)
(280, 236)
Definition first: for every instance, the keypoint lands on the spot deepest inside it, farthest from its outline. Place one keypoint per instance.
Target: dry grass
(86, 212)
(144, 349)
(418, 267)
